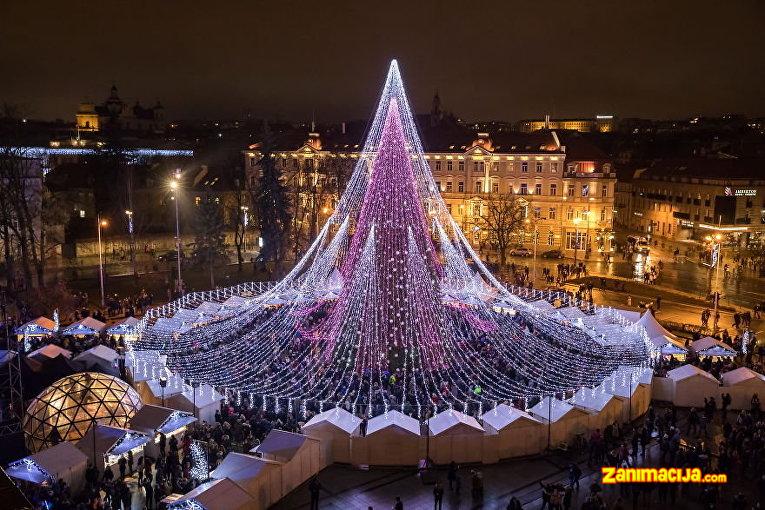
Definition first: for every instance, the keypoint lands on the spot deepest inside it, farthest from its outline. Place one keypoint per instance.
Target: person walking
(438, 496)
(451, 475)
(398, 504)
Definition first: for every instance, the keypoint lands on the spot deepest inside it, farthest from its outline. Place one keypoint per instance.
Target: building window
(461, 187)
(294, 162)
(476, 209)
(554, 167)
(253, 161)
(449, 165)
(525, 166)
(449, 208)
(570, 214)
(477, 235)
(571, 190)
(585, 190)
(448, 186)
(438, 165)
(538, 189)
(537, 213)
(550, 239)
(551, 213)
(603, 214)
(478, 187)
(553, 190)
(438, 186)
(524, 189)
(576, 240)
(495, 187)
(539, 167)
(604, 191)
(461, 166)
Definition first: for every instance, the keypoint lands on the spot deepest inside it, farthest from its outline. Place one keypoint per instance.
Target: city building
(600, 124)
(115, 114)
(695, 198)
(565, 184)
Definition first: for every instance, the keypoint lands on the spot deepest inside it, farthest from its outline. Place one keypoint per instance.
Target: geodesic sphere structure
(65, 410)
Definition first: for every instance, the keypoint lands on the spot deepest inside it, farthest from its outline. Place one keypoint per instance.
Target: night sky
(488, 60)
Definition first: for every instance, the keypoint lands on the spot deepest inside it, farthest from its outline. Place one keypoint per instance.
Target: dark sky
(488, 60)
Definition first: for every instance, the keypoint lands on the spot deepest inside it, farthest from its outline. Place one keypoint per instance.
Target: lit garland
(376, 316)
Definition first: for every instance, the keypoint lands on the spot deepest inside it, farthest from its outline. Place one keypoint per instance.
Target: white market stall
(50, 351)
(41, 327)
(392, 439)
(299, 455)
(107, 444)
(511, 432)
(62, 461)
(603, 407)
(262, 479)
(635, 397)
(565, 421)
(99, 358)
(334, 428)
(455, 436)
(220, 494)
(742, 383)
(691, 385)
(84, 327)
(201, 402)
(154, 420)
(152, 392)
(127, 328)
(713, 347)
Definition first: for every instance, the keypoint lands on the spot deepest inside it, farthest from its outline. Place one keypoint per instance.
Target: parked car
(552, 254)
(643, 246)
(520, 252)
(170, 256)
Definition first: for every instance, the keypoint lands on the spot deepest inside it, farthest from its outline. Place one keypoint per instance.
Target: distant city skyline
(290, 61)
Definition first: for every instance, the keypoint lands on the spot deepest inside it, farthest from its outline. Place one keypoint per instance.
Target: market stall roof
(449, 419)
(688, 370)
(50, 351)
(221, 494)
(503, 415)
(42, 466)
(338, 417)
(551, 409)
(11, 495)
(238, 466)
(543, 304)
(643, 375)
(667, 345)
(86, 326)
(393, 419)
(175, 385)
(208, 308)
(235, 301)
(660, 336)
(38, 326)
(594, 400)
(98, 353)
(709, 346)
(740, 375)
(124, 327)
(571, 312)
(151, 418)
(111, 440)
(205, 395)
(280, 444)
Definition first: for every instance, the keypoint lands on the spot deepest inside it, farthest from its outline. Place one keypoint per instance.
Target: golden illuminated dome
(66, 409)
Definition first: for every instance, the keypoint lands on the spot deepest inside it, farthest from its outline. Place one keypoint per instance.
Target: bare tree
(503, 219)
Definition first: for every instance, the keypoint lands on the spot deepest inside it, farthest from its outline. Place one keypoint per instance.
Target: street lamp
(174, 185)
(576, 237)
(101, 223)
(245, 220)
(163, 385)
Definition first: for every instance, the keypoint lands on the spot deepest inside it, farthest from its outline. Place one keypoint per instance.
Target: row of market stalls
(689, 385)
(43, 327)
(257, 480)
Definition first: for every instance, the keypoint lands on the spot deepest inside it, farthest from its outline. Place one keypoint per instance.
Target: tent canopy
(395, 419)
(47, 464)
(152, 418)
(741, 375)
(111, 440)
(124, 327)
(86, 326)
(668, 342)
(280, 444)
(37, 327)
(686, 371)
(447, 420)
(50, 351)
(503, 415)
(709, 346)
(337, 417)
(221, 494)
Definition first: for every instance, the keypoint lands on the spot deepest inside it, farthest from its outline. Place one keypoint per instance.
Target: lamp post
(717, 247)
(576, 237)
(174, 185)
(101, 223)
(245, 220)
(131, 231)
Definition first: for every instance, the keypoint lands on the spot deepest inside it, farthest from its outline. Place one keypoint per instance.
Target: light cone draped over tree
(377, 315)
